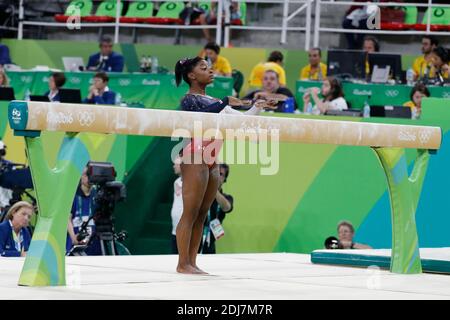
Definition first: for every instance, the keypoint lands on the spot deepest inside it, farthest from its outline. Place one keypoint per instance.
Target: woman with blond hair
(15, 237)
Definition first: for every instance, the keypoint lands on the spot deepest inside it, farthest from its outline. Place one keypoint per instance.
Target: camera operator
(5, 194)
(346, 232)
(223, 204)
(83, 208)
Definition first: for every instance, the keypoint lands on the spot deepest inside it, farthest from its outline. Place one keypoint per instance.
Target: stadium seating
(106, 12)
(81, 8)
(440, 20)
(168, 13)
(138, 12)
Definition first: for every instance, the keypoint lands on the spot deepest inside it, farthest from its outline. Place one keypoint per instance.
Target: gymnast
(201, 178)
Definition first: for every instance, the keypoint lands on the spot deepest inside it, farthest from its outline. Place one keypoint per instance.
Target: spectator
(333, 97)
(15, 237)
(177, 205)
(418, 92)
(99, 92)
(346, 232)
(271, 90)
(440, 60)
(192, 14)
(356, 18)
(55, 82)
(370, 45)
(422, 66)
(4, 55)
(220, 65)
(5, 194)
(106, 60)
(83, 209)
(223, 204)
(275, 63)
(4, 80)
(315, 70)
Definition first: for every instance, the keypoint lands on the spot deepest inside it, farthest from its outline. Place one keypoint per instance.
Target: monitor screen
(391, 112)
(7, 94)
(70, 95)
(387, 59)
(346, 62)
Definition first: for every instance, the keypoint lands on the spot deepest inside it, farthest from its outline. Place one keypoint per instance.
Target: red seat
(433, 27)
(156, 20)
(61, 18)
(98, 19)
(393, 26)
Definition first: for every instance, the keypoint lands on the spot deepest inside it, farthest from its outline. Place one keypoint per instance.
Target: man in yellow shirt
(275, 63)
(422, 66)
(315, 70)
(370, 45)
(220, 65)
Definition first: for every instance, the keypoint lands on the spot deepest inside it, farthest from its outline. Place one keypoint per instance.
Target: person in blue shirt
(4, 55)
(106, 60)
(55, 82)
(15, 237)
(83, 210)
(99, 92)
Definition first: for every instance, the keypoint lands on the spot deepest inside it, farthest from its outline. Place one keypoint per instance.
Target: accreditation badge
(217, 229)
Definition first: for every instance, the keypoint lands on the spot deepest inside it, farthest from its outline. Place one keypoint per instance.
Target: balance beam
(43, 116)
(55, 187)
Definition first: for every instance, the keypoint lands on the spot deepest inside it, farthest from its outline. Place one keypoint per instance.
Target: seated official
(275, 63)
(220, 65)
(316, 69)
(15, 237)
(4, 55)
(346, 232)
(55, 82)
(418, 92)
(106, 60)
(271, 90)
(440, 60)
(99, 92)
(370, 45)
(422, 65)
(333, 97)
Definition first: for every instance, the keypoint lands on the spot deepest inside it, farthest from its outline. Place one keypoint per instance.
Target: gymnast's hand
(235, 102)
(266, 104)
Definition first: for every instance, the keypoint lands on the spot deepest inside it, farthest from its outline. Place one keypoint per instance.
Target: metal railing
(321, 3)
(223, 20)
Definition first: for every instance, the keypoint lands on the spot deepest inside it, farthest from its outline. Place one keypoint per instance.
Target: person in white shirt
(177, 205)
(333, 97)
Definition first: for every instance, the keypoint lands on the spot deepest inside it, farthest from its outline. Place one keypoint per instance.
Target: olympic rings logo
(86, 118)
(124, 82)
(391, 93)
(75, 80)
(424, 136)
(26, 79)
(59, 118)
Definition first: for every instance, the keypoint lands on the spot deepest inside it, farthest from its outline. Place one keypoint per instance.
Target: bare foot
(187, 269)
(200, 271)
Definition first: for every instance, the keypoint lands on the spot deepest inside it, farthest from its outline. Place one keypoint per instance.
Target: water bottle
(366, 110)
(414, 114)
(118, 99)
(154, 64)
(27, 95)
(410, 77)
(308, 108)
(289, 105)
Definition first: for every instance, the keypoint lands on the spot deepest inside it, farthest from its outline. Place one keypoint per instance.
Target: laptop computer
(390, 112)
(39, 98)
(7, 94)
(73, 64)
(70, 95)
(344, 113)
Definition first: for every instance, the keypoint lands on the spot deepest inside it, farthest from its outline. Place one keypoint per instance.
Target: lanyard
(18, 239)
